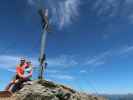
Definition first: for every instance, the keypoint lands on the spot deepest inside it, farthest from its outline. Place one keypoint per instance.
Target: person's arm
(29, 74)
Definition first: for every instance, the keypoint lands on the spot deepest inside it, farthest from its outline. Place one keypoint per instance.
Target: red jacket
(20, 70)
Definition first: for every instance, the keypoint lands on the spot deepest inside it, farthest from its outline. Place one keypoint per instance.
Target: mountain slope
(46, 90)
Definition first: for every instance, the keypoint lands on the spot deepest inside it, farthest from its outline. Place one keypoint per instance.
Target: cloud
(9, 62)
(126, 50)
(53, 71)
(113, 9)
(63, 12)
(104, 7)
(99, 59)
(62, 77)
(31, 2)
(102, 58)
(83, 71)
(108, 7)
(69, 11)
(63, 61)
(11, 70)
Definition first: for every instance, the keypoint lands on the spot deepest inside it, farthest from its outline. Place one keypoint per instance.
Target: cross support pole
(42, 59)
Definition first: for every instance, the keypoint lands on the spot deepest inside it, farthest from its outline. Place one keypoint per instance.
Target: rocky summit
(47, 90)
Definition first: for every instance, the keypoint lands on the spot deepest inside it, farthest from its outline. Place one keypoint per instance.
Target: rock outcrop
(46, 90)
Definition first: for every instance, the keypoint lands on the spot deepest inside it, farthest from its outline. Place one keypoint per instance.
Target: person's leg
(11, 88)
(17, 86)
(11, 83)
(8, 86)
(14, 86)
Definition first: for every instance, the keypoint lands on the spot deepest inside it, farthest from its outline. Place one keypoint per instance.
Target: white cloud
(63, 11)
(102, 7)
(83, 71)
(63, 77)
(9, 62)
(11, 70)
(126, 49)
(31, 2)
(102, 58)
(114, 8)
(69, 11)
(99, 59)
(99, 63)
(53, 71)
(62, 61)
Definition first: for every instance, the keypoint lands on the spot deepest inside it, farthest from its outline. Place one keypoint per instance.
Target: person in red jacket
(19, 77)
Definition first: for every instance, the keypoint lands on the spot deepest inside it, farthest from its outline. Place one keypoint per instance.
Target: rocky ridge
(47, 90)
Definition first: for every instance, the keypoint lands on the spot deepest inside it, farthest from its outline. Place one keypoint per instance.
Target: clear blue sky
(90, 47)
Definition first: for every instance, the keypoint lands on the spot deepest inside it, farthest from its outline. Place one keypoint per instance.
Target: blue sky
(90, 47)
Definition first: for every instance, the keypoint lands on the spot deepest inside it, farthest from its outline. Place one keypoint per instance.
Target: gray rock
(46, 90)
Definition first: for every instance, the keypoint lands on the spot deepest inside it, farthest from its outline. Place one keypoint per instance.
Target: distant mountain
(120, 97)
